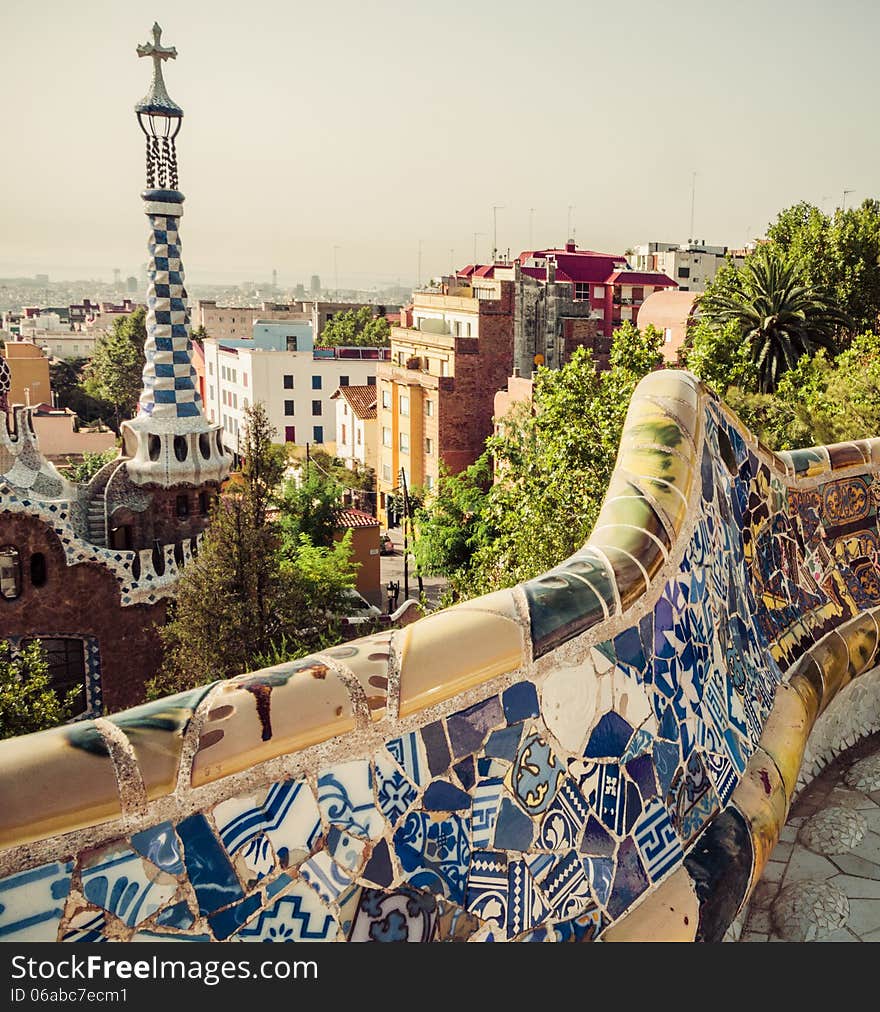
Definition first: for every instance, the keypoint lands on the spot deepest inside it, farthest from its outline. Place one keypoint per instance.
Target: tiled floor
(823, 880)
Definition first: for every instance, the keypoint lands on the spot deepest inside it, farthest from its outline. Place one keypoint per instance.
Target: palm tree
(778, 313)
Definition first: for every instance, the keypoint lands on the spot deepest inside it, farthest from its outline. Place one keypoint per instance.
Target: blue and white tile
(722, 773)
(160, 845)
(567, 887)
(405, 915)
(394, 791)
(326, 877)
(287, 814)
(297, 916)
(565, 819)
(345, 797)
(600, 871)
(435, 853)
(32, 903)
(409, 753)
(346, 850)
(487, 887)
(526, 907)
(484, 811)
(86, 926)
(657, 840)
(116, 879)
(536, 775)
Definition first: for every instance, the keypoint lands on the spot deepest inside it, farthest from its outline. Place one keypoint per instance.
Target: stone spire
(170, 442)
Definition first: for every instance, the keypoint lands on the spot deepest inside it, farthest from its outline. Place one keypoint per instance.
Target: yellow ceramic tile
(367, 659)
(874, 450)
(651, 425)
(633, 510)
(54, 782)
(450, 651)
(156, 732)
(657, 463)
(668, 499)
(832, 656)
(633, 541)
(675, 384)
(760, 797)
(808, 682)
(628, 574)
(500, 602)
(670, 913)
(785, 735)
(269, 713)
(861, 641)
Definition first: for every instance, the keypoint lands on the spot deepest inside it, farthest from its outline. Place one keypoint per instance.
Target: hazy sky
(372, 126)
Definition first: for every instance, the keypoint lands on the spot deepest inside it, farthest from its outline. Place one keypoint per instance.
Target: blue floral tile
(504, 744)
(404, 915)
(210, 871)
(514, 830)
(378, 870)
(615, 799)
(484, 811)
(567, 887)
(346, 850)
(640, 743)
(691, 799)
(564, 819)
(609, 738)
(630, 879)
(658, 843)
(298, 916)
(435, 853)
(86, 926)
(116, 879)
(159, 845)
(288, 816)
(520, 702)
(394, 791)
(408, 753)
(536, 775)
(442, 796)
(326, 877)
(256, 860)
(526, 907)
(345, 797)
(487, 887)
(32, 902)
(436, 748)
(469, 728)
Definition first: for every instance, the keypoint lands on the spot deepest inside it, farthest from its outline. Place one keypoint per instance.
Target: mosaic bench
(608, 751)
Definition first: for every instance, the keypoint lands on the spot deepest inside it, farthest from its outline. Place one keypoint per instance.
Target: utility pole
(405, 537)
(845, 192)
(307, 461)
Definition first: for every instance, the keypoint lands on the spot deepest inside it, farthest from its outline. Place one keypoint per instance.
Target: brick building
(436, 395)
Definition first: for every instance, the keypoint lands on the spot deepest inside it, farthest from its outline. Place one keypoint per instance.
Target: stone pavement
(822, 882)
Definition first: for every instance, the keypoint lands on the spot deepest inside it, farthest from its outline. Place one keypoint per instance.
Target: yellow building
(29, 370)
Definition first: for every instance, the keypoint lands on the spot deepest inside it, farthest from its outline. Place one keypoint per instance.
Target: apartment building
(692, 264)
(356, 426)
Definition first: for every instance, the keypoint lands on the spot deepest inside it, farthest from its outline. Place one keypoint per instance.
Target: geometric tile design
(656, 839)
(298, 916)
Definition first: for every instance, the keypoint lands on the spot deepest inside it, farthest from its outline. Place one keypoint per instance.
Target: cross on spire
(157, 98)
(156, 50)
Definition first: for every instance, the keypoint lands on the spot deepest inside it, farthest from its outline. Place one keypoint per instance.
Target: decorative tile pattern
(345, 797)
(32, 902)
(118, 880)
(405, 915)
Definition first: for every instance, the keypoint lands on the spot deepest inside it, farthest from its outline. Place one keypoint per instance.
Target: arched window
(10, 572)
(183, 506)
(67, 667)
(38, 569)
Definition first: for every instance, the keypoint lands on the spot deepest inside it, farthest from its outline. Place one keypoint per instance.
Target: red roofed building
(365, 551)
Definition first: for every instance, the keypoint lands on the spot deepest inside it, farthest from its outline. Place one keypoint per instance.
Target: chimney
(516, 371)
(570, 246)
(551, 271)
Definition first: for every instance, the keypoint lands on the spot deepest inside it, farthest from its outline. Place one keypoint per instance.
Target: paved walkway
(823, 880)
(391, 569)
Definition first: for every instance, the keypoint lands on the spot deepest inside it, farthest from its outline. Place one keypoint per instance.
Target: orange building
(364, 550)
(29, 374)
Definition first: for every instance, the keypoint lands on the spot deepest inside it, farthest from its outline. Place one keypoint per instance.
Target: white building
(692, 264)
(356, 426)
(296, 385)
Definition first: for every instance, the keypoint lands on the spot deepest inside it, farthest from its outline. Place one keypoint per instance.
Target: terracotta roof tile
(361, 398)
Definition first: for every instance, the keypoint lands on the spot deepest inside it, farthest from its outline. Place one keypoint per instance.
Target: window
(318, 433)
(289, 433)
(429, 446)
(386, 398)
(684, 272)
(210, 393)
(343, 434)
(288, 382)
(371, 381)
(404, 404)
(204, 503)
(444, 368)
(429, 482)
(67, 667)
(581, 291)
(10, 573)
(359, 434)
(244, 380)
(288, 408)
(38, 569)
(345, 410)
(210, 368)
(235, 401)
(386, 472)
(223, 372)
(429, 408)
(386, 436)
(316, 383)
(404, 442)
(182, 506)
(343, 381)
(599, 292)
(291, 343)
(316, 408)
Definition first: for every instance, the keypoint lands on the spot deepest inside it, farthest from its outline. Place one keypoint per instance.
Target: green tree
(357, 328)
(252, 593)
(719, 356)
(309, 505)
(115, 373)
(66, 377)
(28, 702)
(778, 314)
(86, 469)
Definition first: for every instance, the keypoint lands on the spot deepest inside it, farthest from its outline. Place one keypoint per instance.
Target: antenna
(495, 209)
(693, 196)
(568, 229)
(845, 192)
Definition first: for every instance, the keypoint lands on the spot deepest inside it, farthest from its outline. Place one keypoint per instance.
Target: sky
(369, 142)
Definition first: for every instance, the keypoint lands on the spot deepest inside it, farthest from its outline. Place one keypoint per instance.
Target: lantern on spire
(160, 117)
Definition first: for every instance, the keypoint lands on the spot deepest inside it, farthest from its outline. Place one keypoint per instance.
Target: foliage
(254, 592)
(86, 469)
(779, 315)
(66, 379)
(719, 356)
(358, 328)
(308, 506)
(115, 373)
(28, 703)
(553, 460)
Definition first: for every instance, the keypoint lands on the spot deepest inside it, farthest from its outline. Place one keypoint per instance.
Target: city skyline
(372, 146)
